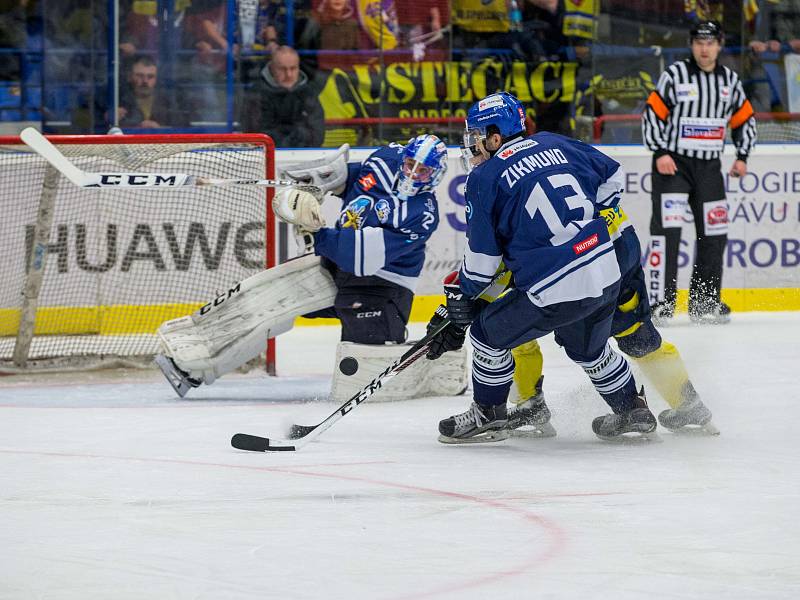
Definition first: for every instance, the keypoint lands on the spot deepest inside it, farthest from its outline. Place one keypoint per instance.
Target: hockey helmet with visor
(503, 112)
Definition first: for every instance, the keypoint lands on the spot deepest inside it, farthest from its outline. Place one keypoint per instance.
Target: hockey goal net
(88, 275)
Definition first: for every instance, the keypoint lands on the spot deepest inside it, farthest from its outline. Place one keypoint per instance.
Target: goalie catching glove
(298, 207)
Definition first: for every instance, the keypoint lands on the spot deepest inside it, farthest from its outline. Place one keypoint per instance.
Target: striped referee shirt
(688, 111)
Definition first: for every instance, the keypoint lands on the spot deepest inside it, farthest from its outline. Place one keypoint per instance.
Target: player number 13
(539, 202)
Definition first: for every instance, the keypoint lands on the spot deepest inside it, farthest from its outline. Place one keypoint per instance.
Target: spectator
(777, 34)
(142, 103)
(13, 35)
(480, 24)
(332, 25)
(379, 22)
(423, 25)
(287, 107)
(140, 25)
(268, 25)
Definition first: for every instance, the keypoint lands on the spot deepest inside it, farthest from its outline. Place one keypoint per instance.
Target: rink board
(762, 262)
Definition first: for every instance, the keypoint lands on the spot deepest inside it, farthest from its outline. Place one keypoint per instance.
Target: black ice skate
(476, 425)
(178, 379)
(532, 417)
(690, 417)
(662, 313)
(638, 420)
(710, 313)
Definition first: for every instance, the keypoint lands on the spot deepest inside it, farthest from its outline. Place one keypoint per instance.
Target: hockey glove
(450, 338)
(460, 307)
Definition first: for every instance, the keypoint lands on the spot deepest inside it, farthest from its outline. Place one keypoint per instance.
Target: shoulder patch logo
(368, 182)
(383, 210)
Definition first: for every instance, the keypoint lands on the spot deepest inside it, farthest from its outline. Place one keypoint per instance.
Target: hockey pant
(233, 328)
(696, 191)
(372, 310)
(581, 327)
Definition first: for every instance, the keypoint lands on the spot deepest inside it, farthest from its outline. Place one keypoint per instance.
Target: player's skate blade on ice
(179, 380)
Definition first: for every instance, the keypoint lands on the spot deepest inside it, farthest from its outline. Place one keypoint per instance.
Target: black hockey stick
(300, 435)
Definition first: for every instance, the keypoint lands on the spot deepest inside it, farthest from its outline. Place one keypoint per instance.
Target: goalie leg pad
(233, 328)
(447, 376)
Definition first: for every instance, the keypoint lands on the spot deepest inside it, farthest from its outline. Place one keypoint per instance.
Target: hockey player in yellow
(659, 361)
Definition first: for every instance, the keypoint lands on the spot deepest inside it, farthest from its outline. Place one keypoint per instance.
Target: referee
(684, 125)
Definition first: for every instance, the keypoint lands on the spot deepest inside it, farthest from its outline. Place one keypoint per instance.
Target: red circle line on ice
(552, 547)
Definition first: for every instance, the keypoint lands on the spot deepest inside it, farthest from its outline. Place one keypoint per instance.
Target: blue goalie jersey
(377, 233)
(535, 205)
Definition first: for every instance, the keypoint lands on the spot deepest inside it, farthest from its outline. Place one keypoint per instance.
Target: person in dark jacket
(288, 107)
(144, 103)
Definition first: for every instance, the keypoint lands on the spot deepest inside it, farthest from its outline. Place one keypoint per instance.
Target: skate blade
(543, 430)
(482, 438)
(633, 438)
(709, 429)
(181, 387)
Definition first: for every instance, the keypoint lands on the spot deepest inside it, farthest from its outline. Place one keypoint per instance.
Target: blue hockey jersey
(377, 233)
(535, 205)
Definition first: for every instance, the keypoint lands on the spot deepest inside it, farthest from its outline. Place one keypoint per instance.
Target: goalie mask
(424, 165)
(504, 112)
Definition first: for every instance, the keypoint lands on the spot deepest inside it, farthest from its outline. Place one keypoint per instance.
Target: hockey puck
(348, 365)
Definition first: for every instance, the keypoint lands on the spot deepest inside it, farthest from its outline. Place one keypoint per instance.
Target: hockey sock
(665, 369)
(492, 371)
(529, 363)
(612, 379)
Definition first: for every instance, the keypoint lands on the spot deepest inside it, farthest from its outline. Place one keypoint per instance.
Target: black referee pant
(698, 183)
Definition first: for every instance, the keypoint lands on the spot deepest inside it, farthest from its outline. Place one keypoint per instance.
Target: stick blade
(42, 146)
(256, 443)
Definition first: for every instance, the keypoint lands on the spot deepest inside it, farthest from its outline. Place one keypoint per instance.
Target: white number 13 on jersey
(539, 202)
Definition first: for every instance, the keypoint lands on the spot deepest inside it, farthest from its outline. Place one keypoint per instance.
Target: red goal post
(88, 274)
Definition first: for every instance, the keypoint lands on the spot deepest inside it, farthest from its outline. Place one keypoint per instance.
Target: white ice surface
(111, 488)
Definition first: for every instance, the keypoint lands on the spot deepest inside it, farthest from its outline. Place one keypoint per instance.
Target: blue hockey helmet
(424, 165)
(503, 111)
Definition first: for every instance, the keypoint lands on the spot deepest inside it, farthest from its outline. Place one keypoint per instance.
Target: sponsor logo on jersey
(586, 244)
(717, 216)
(702, 132)
(686, 92)
(724, 93)
(368, 182)
(518, 147)
(383, 210)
